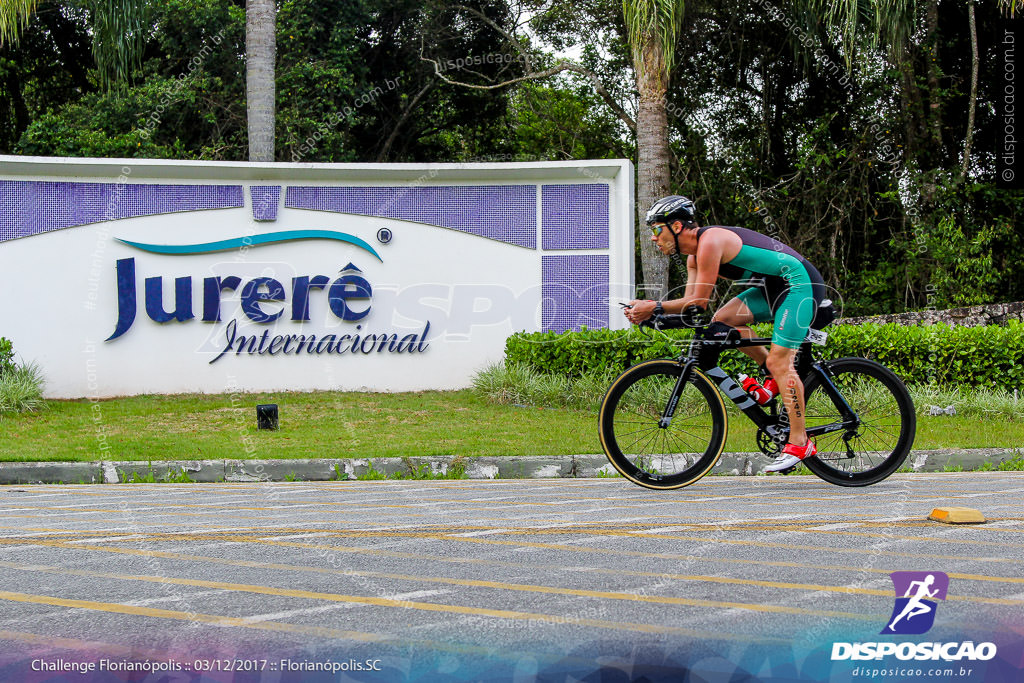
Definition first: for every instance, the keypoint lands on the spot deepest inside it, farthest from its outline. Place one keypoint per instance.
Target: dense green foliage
(351, 86)
(6, 356)
(856, 169)
(990, 356)
(847, 148)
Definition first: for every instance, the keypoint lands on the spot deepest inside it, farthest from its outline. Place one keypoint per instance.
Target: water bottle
(761, 394)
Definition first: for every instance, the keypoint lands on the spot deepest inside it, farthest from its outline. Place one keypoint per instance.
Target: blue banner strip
(253, 241)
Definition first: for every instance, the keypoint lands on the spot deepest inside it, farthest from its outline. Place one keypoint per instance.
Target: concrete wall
(967, 316)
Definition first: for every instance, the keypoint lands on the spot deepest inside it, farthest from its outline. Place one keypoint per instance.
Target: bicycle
(663, 423)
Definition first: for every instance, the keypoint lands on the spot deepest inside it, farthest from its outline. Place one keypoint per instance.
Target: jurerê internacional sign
(149, 276)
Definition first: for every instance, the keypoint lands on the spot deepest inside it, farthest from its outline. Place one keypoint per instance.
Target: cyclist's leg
(794, 312)
(749, 306)
(781, 364)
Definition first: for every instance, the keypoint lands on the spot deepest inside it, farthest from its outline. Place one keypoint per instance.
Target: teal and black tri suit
(785, 287)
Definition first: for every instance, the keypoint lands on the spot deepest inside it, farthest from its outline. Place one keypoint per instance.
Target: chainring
(768, 445)
(772, 447)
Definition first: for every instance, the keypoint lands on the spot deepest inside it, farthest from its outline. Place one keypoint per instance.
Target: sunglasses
(656, 229)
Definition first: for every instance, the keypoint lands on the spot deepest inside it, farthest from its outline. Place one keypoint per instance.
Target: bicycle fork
(677, 391)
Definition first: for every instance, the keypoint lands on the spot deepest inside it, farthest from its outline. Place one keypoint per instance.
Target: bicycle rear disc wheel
(649, 454)
(876, 447)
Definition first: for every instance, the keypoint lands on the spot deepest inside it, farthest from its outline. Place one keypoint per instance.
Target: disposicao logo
(914, 612)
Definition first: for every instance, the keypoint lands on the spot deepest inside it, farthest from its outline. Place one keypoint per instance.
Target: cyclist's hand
(639, 310)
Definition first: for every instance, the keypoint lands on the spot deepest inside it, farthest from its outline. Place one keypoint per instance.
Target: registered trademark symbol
(384, 235)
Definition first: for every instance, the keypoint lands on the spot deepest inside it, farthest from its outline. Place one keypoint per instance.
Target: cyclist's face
(661, 235)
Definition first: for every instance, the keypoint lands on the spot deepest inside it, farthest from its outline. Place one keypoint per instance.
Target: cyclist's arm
(701, 272)
(691, 276)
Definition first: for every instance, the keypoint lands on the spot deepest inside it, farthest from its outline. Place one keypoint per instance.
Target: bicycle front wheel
(873, 447)
(648, 452)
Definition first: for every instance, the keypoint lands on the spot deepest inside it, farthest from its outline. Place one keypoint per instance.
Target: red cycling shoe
(792, 455)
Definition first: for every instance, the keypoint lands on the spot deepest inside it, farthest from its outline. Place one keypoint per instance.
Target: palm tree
(653, 28)
(260, 48)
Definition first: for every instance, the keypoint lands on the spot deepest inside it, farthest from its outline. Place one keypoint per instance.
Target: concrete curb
(334, 469)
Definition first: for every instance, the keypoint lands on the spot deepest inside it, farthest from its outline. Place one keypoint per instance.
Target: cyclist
(785, 288)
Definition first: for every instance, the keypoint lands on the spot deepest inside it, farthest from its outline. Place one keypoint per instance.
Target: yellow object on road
(957, 515)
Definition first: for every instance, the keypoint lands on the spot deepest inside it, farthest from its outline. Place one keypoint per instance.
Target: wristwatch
(659, 309)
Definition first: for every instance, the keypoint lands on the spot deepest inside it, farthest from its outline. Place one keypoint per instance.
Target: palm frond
(14, 16)
(659, 21)
(875, 22)
(118, 26)
(119, 33)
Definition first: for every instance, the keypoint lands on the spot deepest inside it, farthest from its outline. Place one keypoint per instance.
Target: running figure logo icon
(914, 612)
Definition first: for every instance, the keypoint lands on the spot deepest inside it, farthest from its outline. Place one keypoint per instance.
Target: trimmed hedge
(933, 354)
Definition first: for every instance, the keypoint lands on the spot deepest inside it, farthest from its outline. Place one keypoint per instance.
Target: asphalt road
(464, 580)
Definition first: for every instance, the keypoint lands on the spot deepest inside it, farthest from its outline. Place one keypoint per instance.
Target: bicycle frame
(703, 353)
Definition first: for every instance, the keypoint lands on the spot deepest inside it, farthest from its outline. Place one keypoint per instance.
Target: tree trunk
(652, 160)
(22, 117)
(973, 102)
(931, 58)
(915, 116)
(260, 48)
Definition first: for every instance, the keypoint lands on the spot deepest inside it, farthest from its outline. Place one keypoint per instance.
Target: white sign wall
(126, 276)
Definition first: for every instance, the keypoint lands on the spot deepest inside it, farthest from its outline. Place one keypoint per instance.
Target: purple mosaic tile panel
(29, 207)
(502, 212)
(574, 292)
(265, 199)
(574, 216)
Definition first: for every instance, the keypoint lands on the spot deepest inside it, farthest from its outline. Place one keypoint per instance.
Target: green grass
(985, 418)
(1014, 464)
(456, 470)
(532, 415)
(172, 476)
(313, 425)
